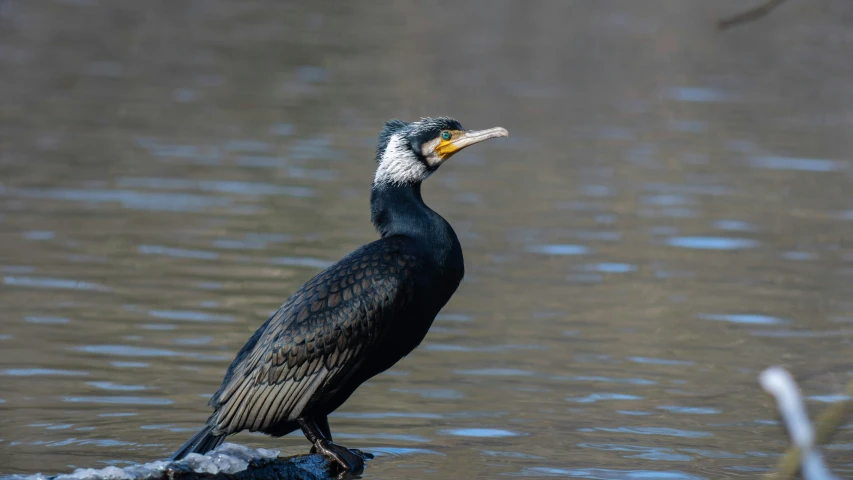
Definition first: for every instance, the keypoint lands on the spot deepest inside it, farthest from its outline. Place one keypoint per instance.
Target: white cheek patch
(428, 151)
(399, 165)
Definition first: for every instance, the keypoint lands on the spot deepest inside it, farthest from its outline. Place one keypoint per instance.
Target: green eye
(445, 135)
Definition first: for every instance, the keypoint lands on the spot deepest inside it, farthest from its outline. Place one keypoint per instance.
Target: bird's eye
(445, 135)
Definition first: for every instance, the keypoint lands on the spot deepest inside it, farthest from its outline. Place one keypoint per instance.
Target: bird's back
(322, 335)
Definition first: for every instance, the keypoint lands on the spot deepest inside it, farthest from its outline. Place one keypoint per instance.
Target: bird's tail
(202, 442)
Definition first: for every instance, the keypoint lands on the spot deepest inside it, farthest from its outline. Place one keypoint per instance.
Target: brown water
(670, 215)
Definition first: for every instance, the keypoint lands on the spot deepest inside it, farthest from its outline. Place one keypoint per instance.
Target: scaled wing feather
(319, 335)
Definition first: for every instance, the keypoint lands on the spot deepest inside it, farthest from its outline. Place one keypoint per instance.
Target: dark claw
(347, 460)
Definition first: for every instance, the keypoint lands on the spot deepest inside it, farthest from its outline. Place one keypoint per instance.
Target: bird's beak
(467, 138)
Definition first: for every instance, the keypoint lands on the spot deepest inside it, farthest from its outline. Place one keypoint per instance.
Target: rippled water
(671, 214)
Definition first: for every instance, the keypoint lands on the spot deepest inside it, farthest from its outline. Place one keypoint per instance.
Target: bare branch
(749, 15)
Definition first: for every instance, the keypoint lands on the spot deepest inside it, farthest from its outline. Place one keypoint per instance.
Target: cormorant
(358, 317)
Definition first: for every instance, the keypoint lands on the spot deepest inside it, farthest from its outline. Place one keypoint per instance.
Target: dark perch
(298, 467)
(229, 462)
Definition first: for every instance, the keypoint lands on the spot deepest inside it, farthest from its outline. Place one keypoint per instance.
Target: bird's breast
(412, 323)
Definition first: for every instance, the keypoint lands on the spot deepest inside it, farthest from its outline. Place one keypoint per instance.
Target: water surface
(670, 216)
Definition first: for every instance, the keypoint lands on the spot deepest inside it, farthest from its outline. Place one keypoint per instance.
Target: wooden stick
(749, 15)
(825, 427)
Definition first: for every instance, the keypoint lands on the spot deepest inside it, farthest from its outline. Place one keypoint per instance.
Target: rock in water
(228, 462)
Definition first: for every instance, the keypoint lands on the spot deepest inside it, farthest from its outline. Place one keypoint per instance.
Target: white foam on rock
(229, 458)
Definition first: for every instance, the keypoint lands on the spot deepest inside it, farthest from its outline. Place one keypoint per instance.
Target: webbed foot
(349, 461)
(360, 453)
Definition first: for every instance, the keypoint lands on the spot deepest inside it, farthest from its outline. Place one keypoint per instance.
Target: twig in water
(803, 455)
(826, 425)
(749, 15)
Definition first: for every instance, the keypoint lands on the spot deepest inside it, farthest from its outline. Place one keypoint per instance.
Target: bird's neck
(400, 210)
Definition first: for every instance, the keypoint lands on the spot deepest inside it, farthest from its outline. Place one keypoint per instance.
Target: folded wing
(316, 339)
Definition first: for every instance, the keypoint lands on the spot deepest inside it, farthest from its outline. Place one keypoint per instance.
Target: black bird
(358, 317)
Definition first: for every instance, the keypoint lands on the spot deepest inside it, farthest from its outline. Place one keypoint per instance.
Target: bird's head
(408, 153)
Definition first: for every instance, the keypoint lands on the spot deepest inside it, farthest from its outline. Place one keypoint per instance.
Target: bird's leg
(347, 460)
(323, 425)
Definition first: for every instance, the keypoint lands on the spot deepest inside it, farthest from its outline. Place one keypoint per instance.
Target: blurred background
(670, 215)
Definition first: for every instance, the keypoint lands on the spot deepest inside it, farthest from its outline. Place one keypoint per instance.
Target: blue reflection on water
(646, 453)
(301, 262)
(185, 95)
(439, 347)
(385, 436)
(659, 361)
(130, 199)
(632, 381)
(219, 186)
(116, 386)
(89, 441)
(734, 225)
(17, 269)
(481, 432)
(800, 164)
(662, 200)
(711, 243)
(800, 256)
(496, 453)
(595, 190)
(712, 453)
(664, 431)
(595, 397)
(129, 364)
(282, 129)
(609, 267)
(247, 146)
(497, 372)
(690, 410)
(126, 351)
(190, 315)
(558, 249)
(689, 188)
(47, 320)
(399, 451)
(230, 244)
(606, 474)
(831, 398)
(39, 235)
(454, 317)
(697, 94)
(799, 333)
(375, 415)
(37, 372)
(60, 283)
(177, 252)
(204, 340)
(688, 126)
(603, 235)
(439, 393)
(748, 319)
(120, 400)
